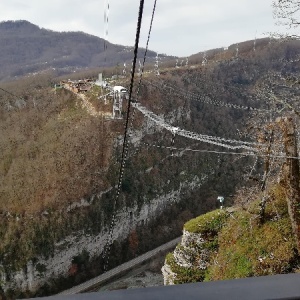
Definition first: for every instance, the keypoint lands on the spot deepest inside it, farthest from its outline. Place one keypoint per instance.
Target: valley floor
(144, 276)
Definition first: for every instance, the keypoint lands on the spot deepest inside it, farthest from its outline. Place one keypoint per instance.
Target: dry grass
(249, 248)
(51, 154)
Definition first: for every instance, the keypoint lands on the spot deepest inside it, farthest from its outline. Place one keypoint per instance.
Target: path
(113, 273)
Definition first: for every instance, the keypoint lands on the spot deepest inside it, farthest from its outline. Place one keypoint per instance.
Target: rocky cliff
(191, 258)
(234, 243)
(42, 268)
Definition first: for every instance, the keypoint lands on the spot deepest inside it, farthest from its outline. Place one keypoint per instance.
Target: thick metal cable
(195, 136)
(143, 65)
(15, 96)
(278, 156)
(202, 98)
(125, 140)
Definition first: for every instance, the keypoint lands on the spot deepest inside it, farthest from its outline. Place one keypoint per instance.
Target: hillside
(235, 243)
(60, 164)
(26, 49)
(257, 235)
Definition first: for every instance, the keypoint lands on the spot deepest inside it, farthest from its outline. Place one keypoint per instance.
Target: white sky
(181, 27)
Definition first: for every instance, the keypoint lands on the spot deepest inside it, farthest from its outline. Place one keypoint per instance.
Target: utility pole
(291, 174)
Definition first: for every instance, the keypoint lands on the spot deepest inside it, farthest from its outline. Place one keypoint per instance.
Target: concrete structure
(119, 94)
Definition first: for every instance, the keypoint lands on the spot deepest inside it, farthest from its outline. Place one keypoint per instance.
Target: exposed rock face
(186, 255)
(168, 274)
(190, 253)
(192, 256)
(42, 270)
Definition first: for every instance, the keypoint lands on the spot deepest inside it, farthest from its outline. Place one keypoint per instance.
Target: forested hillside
(60, 164)
(25, 48)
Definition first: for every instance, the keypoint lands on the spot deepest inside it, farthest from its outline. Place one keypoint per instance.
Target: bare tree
(281, 92)
(287, 12)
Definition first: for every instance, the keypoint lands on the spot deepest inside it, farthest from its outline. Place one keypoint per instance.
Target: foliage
(240, 245)
(26, 48)
(82, 259)
(208, 224)
(53, 154)
(47, 150)
(184, 274)
(133, 241)
(248, 248)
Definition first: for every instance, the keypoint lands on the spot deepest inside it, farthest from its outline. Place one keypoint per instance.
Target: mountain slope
(60, 164)
(26, 48)
(234, 243)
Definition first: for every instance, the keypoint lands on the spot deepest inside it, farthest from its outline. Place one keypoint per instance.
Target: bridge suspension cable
(202, 98)
(244, 153)
(230, 144)
(10, 93)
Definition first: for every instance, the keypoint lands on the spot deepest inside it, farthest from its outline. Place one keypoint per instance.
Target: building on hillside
(79, 86)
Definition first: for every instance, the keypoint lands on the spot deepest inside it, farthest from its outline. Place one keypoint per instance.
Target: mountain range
(26, 48)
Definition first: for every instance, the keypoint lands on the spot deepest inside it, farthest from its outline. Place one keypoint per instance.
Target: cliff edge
(235, 243)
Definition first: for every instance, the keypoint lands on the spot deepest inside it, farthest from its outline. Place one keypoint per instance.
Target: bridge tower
(119, 94)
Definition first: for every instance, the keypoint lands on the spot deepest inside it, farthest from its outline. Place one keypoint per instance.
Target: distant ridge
(14, 26)
(26, 48)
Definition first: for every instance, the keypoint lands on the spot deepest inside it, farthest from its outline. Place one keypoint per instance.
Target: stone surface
(31, 278)
(190, 253)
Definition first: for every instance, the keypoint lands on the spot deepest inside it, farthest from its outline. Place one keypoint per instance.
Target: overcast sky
(181, 27)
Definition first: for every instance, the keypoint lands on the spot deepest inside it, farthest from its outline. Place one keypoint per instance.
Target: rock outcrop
(190, 259)
(236, 243)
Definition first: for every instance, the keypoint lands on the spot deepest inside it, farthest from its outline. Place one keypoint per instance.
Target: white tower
(204, 59)
(119, 94)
